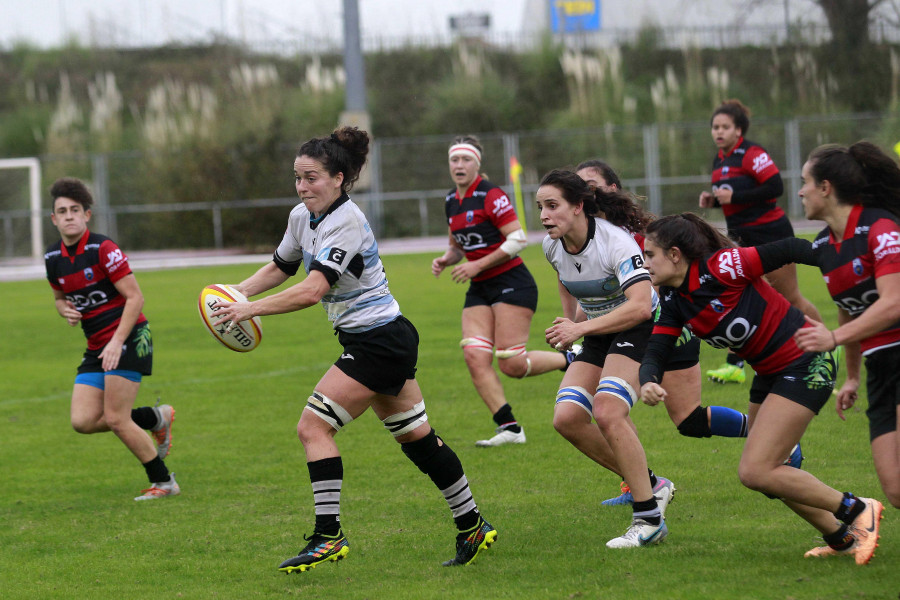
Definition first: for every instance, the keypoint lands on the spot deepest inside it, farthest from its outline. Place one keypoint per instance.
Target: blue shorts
(98, 380)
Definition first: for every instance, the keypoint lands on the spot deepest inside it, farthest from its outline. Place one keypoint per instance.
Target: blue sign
(574, 16)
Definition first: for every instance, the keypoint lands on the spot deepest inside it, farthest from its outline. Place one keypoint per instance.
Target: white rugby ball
(243, 337)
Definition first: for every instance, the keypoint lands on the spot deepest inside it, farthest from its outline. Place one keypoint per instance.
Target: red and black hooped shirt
(869, 249)
(745, 170)
(86, 274)
(475, 221)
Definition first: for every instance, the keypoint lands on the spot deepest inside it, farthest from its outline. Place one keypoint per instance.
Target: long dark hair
(618, 207)
(344, 151)
(860, 174)
(609, 175)
(689, 233)
(735, 109)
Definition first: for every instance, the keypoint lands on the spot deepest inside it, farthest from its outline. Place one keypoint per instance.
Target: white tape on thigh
(405, 422)
(618, 388)
(576, 395)
(328, 410)
(477, 343)
(511, 352)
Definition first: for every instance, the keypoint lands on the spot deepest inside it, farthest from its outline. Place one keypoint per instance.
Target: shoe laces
(154, 491)
(624, 487)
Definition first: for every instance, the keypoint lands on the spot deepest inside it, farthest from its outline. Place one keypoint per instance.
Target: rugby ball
(243, 337)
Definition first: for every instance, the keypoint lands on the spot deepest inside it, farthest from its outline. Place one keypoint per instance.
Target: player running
(718, 291)
(329, 234)
(502, 294)
(94, 285)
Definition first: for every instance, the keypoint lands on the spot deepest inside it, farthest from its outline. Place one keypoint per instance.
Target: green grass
(68, 526)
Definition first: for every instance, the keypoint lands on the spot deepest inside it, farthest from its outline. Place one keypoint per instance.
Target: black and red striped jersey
(743, 170)
(869, 249)
(86, 274)
(475, 222)
(725, 301)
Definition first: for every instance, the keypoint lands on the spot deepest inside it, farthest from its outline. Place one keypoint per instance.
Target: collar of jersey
(471, 188)
(736, 146)
(314, 221)
(80, 249)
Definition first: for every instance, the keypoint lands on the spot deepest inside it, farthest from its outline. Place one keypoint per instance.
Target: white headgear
(467, 150)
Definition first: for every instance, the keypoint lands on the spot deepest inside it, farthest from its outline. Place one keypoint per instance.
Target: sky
(48, 23)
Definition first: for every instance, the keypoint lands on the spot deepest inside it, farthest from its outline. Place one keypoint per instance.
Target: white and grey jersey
(598, 275)
(340, 245)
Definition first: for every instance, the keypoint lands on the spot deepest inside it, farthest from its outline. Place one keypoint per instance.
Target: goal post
(33, 165)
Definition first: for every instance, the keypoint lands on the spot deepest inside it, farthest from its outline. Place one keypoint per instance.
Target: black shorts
(685, 354)
(883, 387)
(808, 381)
(762, 234)
(516, 287)
(382, 359)
(631, 343)
(137, 354)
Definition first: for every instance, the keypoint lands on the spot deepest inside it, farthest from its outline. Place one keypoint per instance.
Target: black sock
(734, 359)
(156, 470)
(327, 477)
(437, 460)
(840, 539)
(653, 479)
(145, 417)
(851, 507)
(504, 418)
(648, 511)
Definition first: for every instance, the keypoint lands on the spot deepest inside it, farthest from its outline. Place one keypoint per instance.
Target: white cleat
(641, 533)
(504, 436)
(161, 490)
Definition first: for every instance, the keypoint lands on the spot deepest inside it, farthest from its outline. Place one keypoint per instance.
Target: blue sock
(727, 422)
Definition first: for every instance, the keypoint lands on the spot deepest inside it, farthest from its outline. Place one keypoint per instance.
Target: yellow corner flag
(897, 148)
(515, 172)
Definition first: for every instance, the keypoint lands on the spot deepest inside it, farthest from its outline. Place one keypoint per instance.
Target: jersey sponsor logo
(857, 266)
(706, 277)
(89, 274)
(577, 266)
(469, 241)
(637, 261)
(89, 301)
(502, 205)
(470, 216)
(717, 305)
(736, 335)
(114, 259)
(730, 264)
(337, 255)
(854, 306)
(886, 241)
(740, 151)
(761, 162)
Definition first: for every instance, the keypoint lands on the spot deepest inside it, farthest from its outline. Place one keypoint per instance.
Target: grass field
(69, 527)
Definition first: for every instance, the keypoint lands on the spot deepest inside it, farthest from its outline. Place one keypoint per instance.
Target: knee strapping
(512, 352)
(695, 424)
(406, 421)
(328, 410)
(619, 388)
(576, 395)
(477, 343)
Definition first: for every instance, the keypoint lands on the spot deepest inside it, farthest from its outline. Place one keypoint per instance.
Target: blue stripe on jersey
(370, 256)
(353, 294)
(370, 302)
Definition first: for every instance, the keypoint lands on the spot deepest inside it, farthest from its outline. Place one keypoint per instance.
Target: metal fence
(668, 164)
